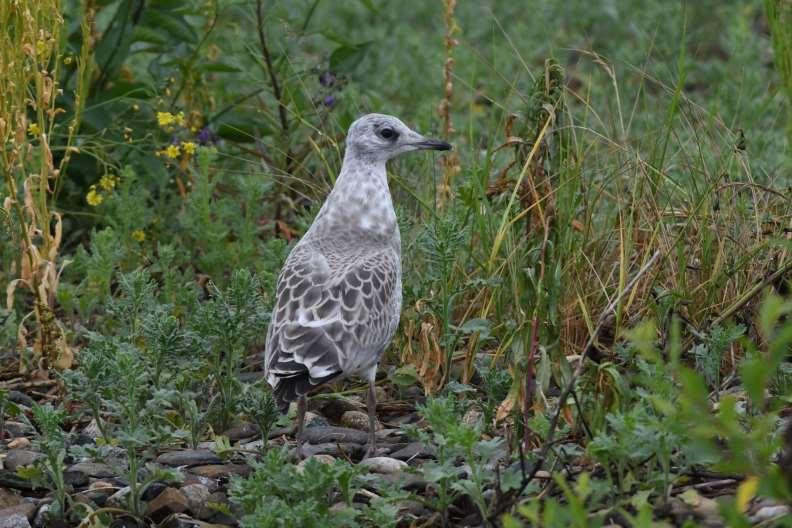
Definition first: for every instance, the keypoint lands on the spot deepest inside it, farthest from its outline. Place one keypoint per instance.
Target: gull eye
(388, 133)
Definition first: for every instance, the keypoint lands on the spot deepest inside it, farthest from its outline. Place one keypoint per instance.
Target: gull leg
(372, 415)
(301, 404)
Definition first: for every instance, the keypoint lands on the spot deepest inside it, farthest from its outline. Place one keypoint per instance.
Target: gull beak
(420, 142)
(433, 144)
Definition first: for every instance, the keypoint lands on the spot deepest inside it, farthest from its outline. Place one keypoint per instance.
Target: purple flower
(327, 78)
(329, 101)
(206, 136)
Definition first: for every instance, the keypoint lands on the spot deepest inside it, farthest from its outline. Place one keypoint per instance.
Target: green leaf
(405, 376)
(175, 27)
(346, 58)
(482, 326)
(754, 375)
(219, 67)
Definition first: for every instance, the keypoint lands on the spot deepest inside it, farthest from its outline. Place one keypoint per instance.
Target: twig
(570, 385)
(276, 90)
(750, 294)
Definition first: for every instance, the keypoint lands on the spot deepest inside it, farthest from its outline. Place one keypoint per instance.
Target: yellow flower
(172, 151)
(41, 47)
(107, 182)
(34, 129)
(189, 148)
(93, 198)
(139, 235)
(179, 118)
(165, 118)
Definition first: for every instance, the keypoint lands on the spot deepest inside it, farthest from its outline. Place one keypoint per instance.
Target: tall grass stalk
(779, 14)
(31, 59)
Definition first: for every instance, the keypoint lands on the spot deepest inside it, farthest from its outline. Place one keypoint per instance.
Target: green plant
(258, 404)
(229, 322)
(52, 442)
(313, 495)
(454, 439)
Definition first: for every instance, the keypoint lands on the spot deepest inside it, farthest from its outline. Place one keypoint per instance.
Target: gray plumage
(339, 294)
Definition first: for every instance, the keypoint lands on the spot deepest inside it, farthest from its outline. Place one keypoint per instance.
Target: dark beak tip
(436, 144)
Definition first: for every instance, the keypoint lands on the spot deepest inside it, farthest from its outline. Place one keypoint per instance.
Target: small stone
(334, 449)
(9, 479)
(181, 520)
(152, 490)
(380, 393)
(168, 502)
(20, 442)
(334, 408)
(8, 498)
(198, 497)
(357, 420)
(119, 498)
(15, 520)
(473, 417)
(21, 398)
(189, 457)
(211, 484)
(411, 507)
(216, 471)
(16, 429)
(92, 469)
(240, 431)
(41, 518)
(313, 419)
(98, 492)
(28, 509)
(17, 458)
(385, 465)
(411, 451)
(318, 435)
(323, 459)
(92, 430)
(768, 513)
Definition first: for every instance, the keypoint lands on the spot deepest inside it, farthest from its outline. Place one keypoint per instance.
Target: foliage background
(149, 203)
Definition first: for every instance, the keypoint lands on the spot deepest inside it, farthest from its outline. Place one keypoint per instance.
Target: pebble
(315, 420)
(384, 465)
(17, 458)
(240, 431)
(19, 443)
(8, 498)
(28, 509)
(768, 513)
(15, 429)
(216, 471)
(334, 408)
(357, 420)
(198, 497)
(412, 450)
(181, 520)
(93, 469)
(334, 449)
(15, 520)
(119, 498)
(473, 417)
(92, 430)
(167, 503)
(211, 484)
(189, 457)
(323, 459)
(318, 435)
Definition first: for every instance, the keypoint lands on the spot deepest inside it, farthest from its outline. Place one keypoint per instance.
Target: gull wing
(326, 321)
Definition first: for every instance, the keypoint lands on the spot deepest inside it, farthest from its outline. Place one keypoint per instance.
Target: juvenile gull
(339, 294)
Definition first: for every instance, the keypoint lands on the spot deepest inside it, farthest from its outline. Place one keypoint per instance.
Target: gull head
(381, 137)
